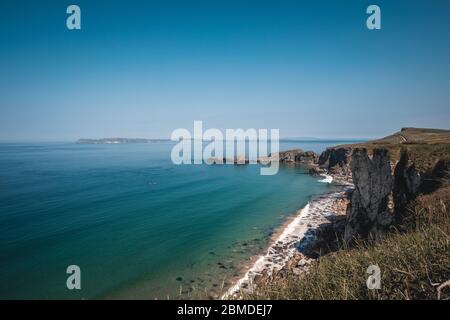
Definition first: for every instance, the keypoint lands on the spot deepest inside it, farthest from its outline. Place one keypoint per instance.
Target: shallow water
(137, 225)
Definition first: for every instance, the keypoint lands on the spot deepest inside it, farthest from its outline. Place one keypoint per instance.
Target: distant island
(143, 140)
(118, 140)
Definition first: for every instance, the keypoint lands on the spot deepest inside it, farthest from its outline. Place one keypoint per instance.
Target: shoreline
(293, 237)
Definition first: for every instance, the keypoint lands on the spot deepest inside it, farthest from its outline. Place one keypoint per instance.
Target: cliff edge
(388, 174)
(397, 218)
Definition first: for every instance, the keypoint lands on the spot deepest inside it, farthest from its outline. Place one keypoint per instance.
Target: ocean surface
(137, 225)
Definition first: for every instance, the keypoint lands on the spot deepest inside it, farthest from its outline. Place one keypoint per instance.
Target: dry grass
(425, 146)
(412, 263)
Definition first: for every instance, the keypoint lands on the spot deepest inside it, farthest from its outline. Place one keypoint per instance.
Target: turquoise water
(137, 225)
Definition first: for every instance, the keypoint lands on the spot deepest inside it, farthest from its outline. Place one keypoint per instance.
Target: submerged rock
(316, 171)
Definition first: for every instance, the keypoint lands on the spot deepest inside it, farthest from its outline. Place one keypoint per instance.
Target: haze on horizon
(144, 68)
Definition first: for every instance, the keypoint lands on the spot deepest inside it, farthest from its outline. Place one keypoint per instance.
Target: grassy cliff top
(424, 146)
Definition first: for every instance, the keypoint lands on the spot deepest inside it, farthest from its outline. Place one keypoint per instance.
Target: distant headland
(118, 140)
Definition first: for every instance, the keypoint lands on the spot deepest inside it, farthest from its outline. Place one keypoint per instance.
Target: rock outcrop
(407, 181)
(368, 215)
(298, 155)
(336, 161)
(437, 177)
(316, 171)
(388, 174)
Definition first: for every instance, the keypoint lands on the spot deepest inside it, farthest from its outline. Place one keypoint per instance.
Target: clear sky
(145, 68)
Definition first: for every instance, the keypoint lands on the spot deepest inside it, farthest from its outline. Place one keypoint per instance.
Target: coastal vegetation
(413, 262)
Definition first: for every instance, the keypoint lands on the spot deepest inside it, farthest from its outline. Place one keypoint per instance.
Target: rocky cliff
(336, 161)
(401, 185)
(298, 155)
(407, 181)
(388, 176)
(368, 213)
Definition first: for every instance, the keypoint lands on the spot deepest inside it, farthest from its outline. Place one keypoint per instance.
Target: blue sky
(145, 68)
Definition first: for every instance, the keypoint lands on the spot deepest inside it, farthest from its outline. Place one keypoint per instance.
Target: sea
(137, 225)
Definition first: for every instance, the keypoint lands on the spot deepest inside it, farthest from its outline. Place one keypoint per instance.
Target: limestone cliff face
(368, 214)
(337, 162)
(384, 190)
(388, 174)
(407, 181)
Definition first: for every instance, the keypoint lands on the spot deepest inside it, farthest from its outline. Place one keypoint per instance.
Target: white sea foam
(297, 234)
(326, 179)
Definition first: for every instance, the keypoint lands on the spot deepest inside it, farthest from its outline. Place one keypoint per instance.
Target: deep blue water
(137, 225)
